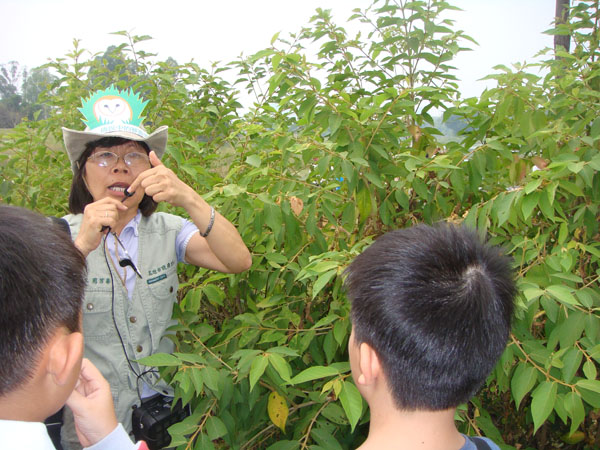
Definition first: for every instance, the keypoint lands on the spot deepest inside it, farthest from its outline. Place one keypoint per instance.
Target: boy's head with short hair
(42, 280)
(435, 304)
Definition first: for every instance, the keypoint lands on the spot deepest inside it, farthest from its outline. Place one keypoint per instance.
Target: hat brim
(75, 141)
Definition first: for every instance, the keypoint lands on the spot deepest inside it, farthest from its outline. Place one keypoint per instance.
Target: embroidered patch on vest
(160, 269)
(96, 280)
(155, 279)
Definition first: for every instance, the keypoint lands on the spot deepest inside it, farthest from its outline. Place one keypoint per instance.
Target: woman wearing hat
(132, 252)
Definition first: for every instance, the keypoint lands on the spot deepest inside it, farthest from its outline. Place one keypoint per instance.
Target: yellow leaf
(278, 410)
(297, 205)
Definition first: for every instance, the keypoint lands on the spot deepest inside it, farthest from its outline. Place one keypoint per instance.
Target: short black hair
(42, 282)
(436, 304)
(80, 197)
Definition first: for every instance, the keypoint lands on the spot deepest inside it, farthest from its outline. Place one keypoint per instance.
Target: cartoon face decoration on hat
(112, 113)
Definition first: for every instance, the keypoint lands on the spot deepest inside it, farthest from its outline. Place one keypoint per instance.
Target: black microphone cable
(112, 309)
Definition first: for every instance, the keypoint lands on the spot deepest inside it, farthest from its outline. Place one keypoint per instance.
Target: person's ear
(369, 364)
(65, 354)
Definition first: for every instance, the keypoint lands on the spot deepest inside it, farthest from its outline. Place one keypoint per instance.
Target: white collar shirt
(17, 435)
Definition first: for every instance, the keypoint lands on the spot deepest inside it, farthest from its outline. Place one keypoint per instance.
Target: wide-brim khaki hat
(112, 113)
(75, 141)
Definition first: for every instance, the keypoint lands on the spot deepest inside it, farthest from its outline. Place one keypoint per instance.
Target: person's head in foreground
(42, 279)
(431, 315)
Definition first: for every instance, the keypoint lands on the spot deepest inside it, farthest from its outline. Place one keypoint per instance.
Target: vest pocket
(97, 313)
(164, 293)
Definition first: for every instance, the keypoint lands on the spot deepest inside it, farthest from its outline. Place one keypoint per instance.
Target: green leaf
(183, 428)
(211, 378)
(322, 281)
(502, 206)
(233, 190)
(589, 370)
(335, 413)
(273, 39)
(281, 366)
(329, 346)
(340, 330)
(562, 294)
(373, 178)
(522, 381)
(277, 257)
(542, 404)
(363, 199)
(595, 128)
(351, 402)
(204, 443)
(214, 294)
(529, 203)
(284, 445)
(259, 364)
(253, 160)
(590, 391)
(590, 385)
(330, 318)
(314, 373)
(215, 428)
(532, 293)
(323, 266)
(571, 360)
(325, 439)
(574, 407)
(283, 351)
(545, 204)
(335, 121)
(190, 358)
(571, 329)
(532, 186)
(197, 380)
(160, 360)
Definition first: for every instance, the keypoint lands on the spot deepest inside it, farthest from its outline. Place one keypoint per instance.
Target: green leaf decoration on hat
(112, 106)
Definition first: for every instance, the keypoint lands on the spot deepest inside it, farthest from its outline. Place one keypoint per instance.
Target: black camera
(153, 417)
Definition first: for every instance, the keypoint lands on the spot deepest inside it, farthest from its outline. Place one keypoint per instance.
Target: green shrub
(335, 151)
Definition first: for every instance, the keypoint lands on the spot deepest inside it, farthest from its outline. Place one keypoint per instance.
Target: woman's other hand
(103, 213)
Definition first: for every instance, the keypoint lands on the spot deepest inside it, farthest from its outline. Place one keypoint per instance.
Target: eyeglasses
(133, 160)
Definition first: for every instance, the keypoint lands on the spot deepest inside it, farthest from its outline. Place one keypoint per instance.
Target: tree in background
(11, 76)
(20, 91)
(37, 82)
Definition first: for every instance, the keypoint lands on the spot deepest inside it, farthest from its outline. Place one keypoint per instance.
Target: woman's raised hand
(162, 184)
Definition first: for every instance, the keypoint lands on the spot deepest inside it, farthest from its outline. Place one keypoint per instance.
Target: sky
(507, 31)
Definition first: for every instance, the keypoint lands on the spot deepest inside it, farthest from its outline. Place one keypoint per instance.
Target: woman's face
(108, 176)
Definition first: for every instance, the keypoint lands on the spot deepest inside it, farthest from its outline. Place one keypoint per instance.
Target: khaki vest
(141, 321)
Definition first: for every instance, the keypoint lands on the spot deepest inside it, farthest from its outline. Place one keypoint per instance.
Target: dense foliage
(338, 148)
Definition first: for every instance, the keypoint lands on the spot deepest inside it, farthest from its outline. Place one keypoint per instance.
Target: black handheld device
(152, 419)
